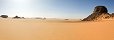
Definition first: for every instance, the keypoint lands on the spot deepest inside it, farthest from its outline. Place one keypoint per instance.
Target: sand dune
(32, 29)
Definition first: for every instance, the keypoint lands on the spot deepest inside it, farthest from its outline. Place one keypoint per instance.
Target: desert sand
(34, 29)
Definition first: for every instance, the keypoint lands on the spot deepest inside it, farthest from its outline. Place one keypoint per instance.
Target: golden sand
(31, 29)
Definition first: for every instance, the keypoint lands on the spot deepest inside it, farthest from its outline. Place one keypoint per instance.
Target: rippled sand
(32, 29)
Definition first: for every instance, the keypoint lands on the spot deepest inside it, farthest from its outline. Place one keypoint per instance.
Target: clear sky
(52, 8)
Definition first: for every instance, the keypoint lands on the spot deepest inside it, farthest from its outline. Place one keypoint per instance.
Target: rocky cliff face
(99, 13)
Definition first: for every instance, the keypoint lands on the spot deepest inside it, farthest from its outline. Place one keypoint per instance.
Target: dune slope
(25, 29)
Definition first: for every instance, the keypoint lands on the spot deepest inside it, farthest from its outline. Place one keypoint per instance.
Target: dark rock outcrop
(113, 14)
(4, 16)
(99, 13)
(16, 17)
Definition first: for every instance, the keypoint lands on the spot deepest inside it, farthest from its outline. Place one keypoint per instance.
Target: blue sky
(52, 8)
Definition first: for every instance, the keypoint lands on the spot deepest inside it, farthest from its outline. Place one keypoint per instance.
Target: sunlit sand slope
(28, 29)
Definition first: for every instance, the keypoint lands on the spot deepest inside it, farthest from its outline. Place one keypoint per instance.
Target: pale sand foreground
(28, 29)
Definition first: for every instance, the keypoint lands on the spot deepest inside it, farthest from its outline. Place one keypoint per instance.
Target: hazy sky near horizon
(52, 8)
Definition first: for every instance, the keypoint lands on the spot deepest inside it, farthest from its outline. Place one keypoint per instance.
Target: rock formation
(4, 16)
(112, 14)
(99, 13)
(16, 17)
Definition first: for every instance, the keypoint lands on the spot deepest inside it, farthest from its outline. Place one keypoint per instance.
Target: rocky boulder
(99, 13)
(16, 17)
(4, 16)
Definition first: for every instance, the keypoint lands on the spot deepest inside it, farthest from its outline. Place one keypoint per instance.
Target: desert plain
(34, 29)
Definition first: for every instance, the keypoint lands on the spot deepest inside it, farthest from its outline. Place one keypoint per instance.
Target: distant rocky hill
(99, 13)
